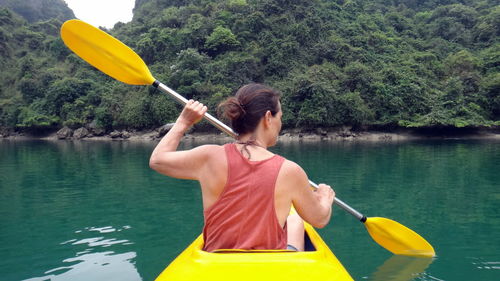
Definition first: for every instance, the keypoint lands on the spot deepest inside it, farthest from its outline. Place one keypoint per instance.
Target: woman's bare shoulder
(210, 147)
(209, 150)
(292, 171)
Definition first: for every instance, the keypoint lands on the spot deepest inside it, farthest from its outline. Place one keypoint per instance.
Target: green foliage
(65, 91)
(491, 88)
(104, 118)
(220, 41)
(38, 10)
(30, 89)
(9, 112)
(189, 72)
(58, 49)
(400, 62)
(33, 117)
(78, 113)
(319, 99)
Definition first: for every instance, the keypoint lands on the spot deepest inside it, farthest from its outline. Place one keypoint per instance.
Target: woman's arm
(315, 207)
(165, 158)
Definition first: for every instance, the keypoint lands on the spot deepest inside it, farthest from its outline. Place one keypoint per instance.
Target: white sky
(102, 12)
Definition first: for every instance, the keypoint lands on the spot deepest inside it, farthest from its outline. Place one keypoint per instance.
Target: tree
(401, 62)
(65, 91)
(220, 41)
(490, 86)
(30, 89)
(189, 72)
(34, 118)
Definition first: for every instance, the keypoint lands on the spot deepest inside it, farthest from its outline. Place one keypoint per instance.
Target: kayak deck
(316, 263)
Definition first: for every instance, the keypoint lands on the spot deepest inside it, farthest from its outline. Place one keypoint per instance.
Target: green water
(95, 211)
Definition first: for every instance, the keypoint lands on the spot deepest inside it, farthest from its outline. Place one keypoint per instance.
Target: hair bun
(248, 107)
(232, 109)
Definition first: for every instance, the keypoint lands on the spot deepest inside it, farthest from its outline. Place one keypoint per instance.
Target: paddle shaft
(226, 129)
(344, 206)
(182, 100)
(114, 58)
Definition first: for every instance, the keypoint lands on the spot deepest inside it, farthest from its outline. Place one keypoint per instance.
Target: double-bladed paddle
(117, 60)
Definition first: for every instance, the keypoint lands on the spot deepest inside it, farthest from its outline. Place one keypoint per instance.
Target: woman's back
(255, 114)
(244, 215)
(213, 175)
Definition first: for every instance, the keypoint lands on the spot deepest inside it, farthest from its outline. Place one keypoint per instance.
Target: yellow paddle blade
(105, 53)
(397, 238)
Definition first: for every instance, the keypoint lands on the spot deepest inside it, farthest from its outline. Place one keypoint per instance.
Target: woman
(247, 190)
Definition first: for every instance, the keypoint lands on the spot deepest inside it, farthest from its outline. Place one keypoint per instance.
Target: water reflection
(446, 191)
(91, 263)
(401, 268)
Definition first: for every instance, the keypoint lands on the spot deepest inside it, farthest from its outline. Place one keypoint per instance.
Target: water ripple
(487, 265)
(95, 266)
(89, 263)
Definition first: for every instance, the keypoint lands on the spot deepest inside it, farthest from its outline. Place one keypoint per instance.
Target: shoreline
(340, 134)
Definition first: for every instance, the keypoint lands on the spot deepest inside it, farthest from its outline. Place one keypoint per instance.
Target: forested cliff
(39, 10)
(407, 63)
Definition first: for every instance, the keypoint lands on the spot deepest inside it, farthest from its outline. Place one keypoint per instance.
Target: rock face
(115, 134)
(64, 133)
(164, 129)
(126, 134)
(80, 133)
(346, 132)
(98, 132)
(95, 130)
(4, 132)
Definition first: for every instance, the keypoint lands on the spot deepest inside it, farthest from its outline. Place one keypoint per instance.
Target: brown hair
(248, 106)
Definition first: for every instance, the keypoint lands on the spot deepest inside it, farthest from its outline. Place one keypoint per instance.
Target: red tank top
(244, 216)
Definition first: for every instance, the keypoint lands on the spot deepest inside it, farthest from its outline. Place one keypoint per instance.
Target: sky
(102, 12)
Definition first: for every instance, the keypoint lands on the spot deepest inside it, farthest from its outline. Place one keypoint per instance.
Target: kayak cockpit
(317, 262)
(308, 247)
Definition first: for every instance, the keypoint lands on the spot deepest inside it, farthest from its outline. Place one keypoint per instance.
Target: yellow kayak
(316, 263)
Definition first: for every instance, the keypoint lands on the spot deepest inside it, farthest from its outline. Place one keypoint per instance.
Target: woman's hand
(192, 113)
(325, 194)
